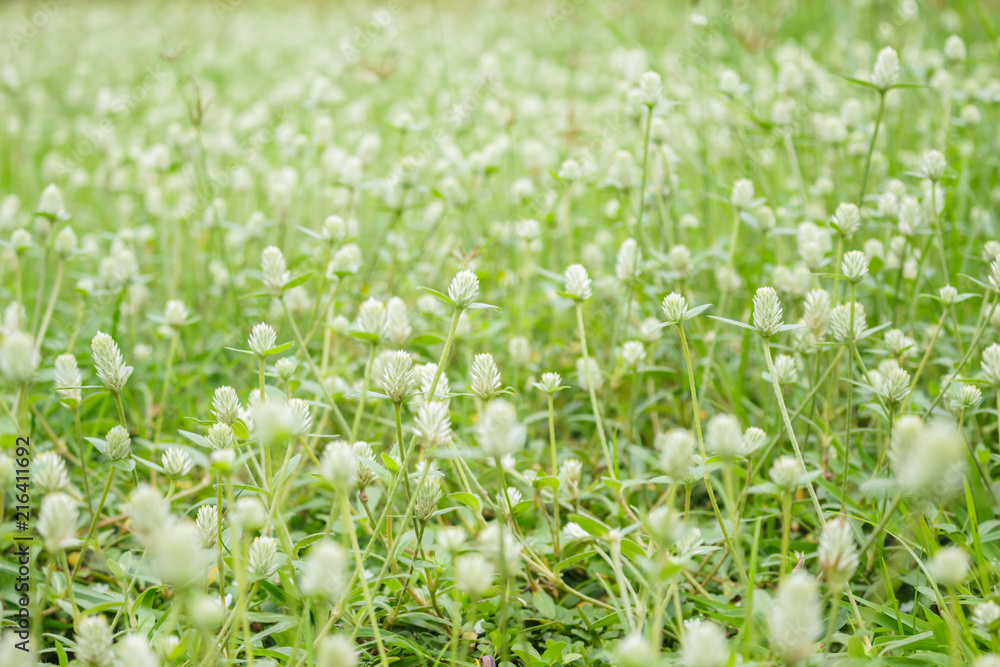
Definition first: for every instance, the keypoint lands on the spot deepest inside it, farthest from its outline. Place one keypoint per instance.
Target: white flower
(464, 289)
(68, 382)
(848, 218)
(767, 314)
(786, 473)
(485, 377)
(885, 74)
(433, 424)
(324, 572)
(577, 283)
(837, 554)
(18, 359)
(854, 266)
(175, 313)
(676, 448)
(703, 644)
(674, 308)
(117, 443)
(49, 472)
(500, 433)
(795, 619)
(742, 193)
(337, 650)
(272, 265)
(372, 319)
(473, 574)
(94, 641)
(950, 566)
(339, 465)
(629, 260)
(57, 520)
(262, 338)
(723, 436)
(262, 558)
(226, 405)
(397, 377)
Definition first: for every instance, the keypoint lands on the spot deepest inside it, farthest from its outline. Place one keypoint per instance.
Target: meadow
(583, 332)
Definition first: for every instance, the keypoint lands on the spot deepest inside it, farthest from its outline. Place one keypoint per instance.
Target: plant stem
(871, 147)
(593, 393)
(788, 428)
(93, 525)
(360, 574)
(704, 456)
(364, 393)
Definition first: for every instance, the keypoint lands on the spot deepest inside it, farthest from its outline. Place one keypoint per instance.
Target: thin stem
(593, 392)
(359, 573)
(788, 427)
(704, 456)
(364, 393)
(93, 525)
(871, 146)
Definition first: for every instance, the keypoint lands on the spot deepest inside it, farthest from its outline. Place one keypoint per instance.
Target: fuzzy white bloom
(723, 436)
(397, 378)
(676, 448)
(272, 266)
(795, 619)
(262, 338)
(464, 289)
(570, 170)
(571, 474)
(703, 644)
(933, 165)
(262, 558)
(94, 642)
(226, 405)
(985, 615)
(633, 352)
(954, 48)
(397, 321)
(674, 307)
(18, 359)
(629, 261)
(753, 439)
(134, 650)
(837, 554)
(549, 382)
(249, 513)
(346, 261)
(426, 375)
(372, 318)
(928, 460)
(854, 266)
(473, 574)
(301, 417)
(337, 651)
(785, 369)
(991, 364)
(65, 242)
(51, 202)
(221, 436)
(428, 495)
(324, 572)
(893, 385)
(742, 194)
(589, 374)
(485, 377)
(286, 367)
(966, 397)
(363, 453)
(111, 368)
(339, 466)
(433, 424)
(848, 218)
(148, 511)
(816, 313)
(885, 73)
(68, 382)
(48, 472)
(650, 89)
(519, 349)
(501, 547)
(175, 313)
(786, 473)
(57, 520)
(207, 521)
(950, 566)
(117, 443)
(634, 650)
(767, 316)
(899, 344)
(499, 432)
(841, 323)
(577, 283)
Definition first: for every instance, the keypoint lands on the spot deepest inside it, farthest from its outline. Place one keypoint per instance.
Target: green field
(567, 333)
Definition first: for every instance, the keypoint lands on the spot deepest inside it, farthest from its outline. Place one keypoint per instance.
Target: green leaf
(127, 465)
(278, 349)
(240, 429)
(548, 480)
(696, 311)
(295, 282)
(576, 558)
(469, 500)
(434, 292)
(592, 526)
(742, 325)
(366, 337)
(390, 463)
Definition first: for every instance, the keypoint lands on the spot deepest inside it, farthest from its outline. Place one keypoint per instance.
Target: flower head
(111, 368)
